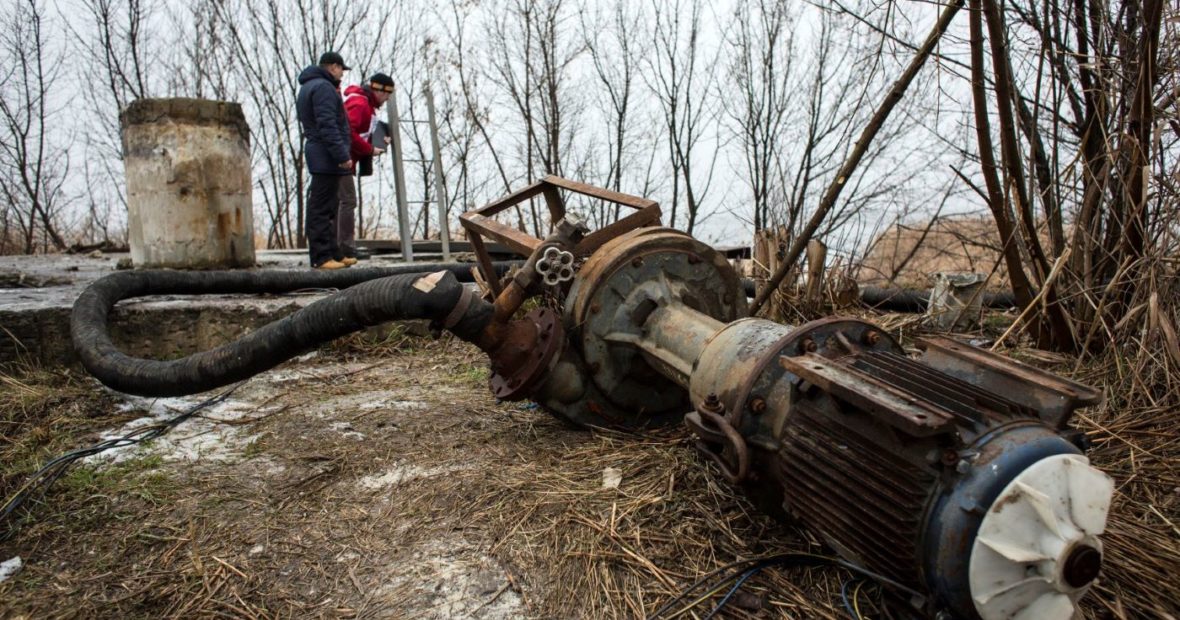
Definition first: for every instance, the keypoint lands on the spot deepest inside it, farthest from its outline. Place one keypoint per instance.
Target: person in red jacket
(360, 104)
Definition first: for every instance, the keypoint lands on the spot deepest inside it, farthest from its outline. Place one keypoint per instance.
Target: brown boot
(330, 265)
(348, 261)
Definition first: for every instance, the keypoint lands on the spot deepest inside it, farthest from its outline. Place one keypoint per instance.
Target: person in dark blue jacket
(327, 139)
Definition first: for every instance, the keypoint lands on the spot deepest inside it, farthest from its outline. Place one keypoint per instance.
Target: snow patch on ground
(346, 429)
(459, 583)
(201, 437)
(363, 402)
(9, 567)
(405, 473)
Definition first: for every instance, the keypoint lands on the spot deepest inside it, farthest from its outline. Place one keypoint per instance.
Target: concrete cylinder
(189, 202)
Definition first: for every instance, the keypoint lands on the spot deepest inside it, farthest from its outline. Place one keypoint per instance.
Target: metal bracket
(720, 441)
(480, 224)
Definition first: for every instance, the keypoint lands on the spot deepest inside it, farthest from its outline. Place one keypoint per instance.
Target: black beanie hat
(333, 58)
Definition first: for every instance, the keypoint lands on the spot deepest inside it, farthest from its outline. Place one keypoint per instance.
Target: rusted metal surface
(868, 393)
(566, 233)
(732, 361)
(675, 333)
(806, 338)
(718, 440)
(865, 500)
(480, 223)
(612, 298)
(526, 354)
(611, 257)
(1053, 397)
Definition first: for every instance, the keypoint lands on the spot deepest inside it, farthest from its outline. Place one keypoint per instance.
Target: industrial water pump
(953, 474)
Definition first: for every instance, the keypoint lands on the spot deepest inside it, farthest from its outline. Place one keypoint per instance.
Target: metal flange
(528, 352)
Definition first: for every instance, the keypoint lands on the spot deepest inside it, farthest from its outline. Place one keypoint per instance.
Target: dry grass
(1135, 441)
(505, 514)
(621, 553)
(42, 411)
(906, 255)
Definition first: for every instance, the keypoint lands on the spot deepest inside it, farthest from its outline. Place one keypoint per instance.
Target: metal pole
(440, 186)
(399, 180)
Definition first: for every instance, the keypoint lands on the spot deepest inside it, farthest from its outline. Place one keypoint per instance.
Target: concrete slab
(37, 294)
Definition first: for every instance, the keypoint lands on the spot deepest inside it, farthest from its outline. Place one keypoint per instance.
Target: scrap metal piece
(956, 300)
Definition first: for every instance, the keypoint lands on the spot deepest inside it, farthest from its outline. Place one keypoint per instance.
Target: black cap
(332, 58)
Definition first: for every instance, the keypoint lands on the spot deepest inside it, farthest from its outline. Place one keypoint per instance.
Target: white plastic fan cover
(1055, 507)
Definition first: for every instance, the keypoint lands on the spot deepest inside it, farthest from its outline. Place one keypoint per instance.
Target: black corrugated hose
(371, 297)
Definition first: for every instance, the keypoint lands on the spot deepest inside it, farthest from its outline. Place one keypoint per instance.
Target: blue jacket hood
(313, 72)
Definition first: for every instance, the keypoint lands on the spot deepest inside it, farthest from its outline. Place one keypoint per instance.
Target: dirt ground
(337, 486)
(355, 482)
(376, 480)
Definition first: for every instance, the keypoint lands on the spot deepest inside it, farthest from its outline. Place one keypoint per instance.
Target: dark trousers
(346, 216)
(322, 202)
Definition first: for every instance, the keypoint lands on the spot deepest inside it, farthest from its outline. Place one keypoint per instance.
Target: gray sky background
(419, 44)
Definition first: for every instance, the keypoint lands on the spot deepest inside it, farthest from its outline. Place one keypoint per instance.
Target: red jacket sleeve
(359, 116)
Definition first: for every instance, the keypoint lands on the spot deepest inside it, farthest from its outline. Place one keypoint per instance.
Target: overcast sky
(726, 206)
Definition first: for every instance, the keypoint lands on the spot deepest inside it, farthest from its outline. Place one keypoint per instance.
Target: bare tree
(476, 111)
(793, 104)
(859, 152)
(678, 74)
(530, 63)
(200, 64)
(1094, 149)
(115, 44)
(35, 164)
(119, 45)
(761, 64)
(616, 52)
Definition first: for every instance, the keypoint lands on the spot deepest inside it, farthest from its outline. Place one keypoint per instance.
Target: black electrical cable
(687, 591)
(785, 559)
(737, 584)
(53, 470)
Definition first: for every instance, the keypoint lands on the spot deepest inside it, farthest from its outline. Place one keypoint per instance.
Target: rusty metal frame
(479, 224)
(1053, 397)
